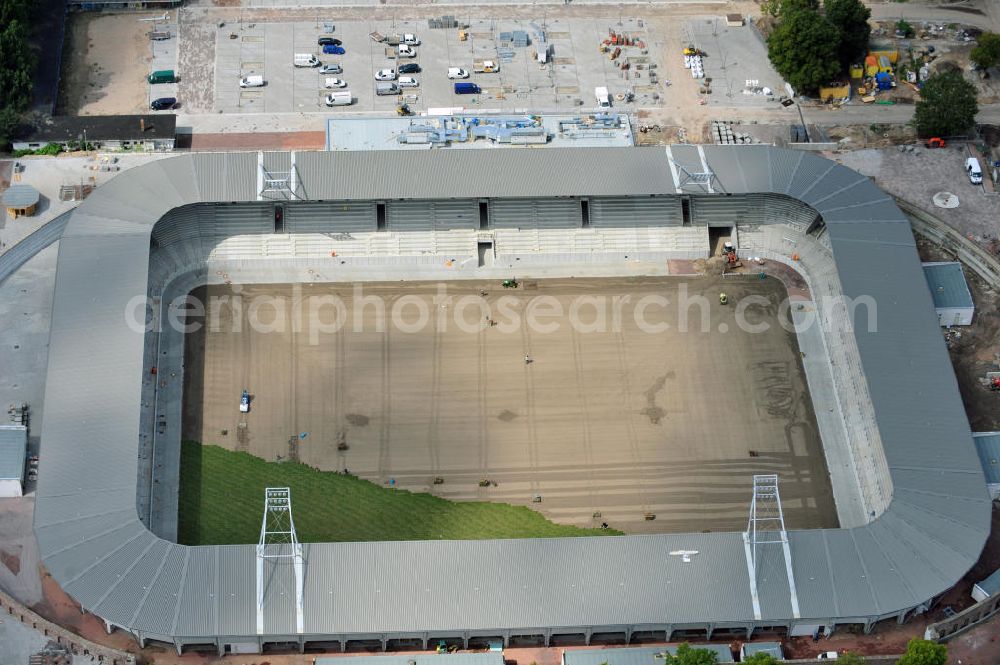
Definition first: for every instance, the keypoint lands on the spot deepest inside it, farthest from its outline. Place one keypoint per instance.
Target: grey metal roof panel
(851, 583)
(875, 211)
(773, 589)
(59, 536)
(916, 556)
(385, 175)
(784, 165)
(237, 596)
(107, 576)
(68, 565)
(753, 162)
(810, 172)
(198, 597)
(13, 444)
(988, 450)
(947, 284)
(136, 578)
(811, 568)
(160, 604)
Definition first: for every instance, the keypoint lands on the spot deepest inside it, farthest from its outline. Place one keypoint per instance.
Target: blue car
(333, 49)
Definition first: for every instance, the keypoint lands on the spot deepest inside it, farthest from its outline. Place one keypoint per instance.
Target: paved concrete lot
(164, 56)
(620, 423)
(733, 57)
(568, 81)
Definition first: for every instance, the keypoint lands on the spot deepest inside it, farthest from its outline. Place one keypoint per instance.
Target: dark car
(331, 49)
(163, 104)
(409, 68)
(323, 41)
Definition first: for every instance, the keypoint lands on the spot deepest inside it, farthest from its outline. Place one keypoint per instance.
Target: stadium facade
(925, 512)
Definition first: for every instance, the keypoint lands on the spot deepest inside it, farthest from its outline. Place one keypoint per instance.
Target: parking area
(576, 65)
(163, 57)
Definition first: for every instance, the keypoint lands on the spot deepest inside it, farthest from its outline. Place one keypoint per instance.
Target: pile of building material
(445, 22)
(723, 134)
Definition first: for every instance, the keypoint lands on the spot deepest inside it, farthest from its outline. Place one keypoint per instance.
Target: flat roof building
(13, 444)
(638, 655)
(488, 658)
(773, 648)
(952, 298)
(105, 132)
(988, 449)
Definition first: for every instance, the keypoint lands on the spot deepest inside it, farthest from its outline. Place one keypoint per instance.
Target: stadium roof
(95, 546)
(947, 284)
(13, 444)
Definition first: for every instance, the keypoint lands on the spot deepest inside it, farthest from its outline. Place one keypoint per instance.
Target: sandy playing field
(105, 62)
(607, 423)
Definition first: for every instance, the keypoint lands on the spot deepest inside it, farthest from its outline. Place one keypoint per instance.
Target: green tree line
(17, 65)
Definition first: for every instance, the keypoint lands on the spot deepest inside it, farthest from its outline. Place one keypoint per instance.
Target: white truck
(603, 97)
(255, 81)
(340, 98)
(306, 60)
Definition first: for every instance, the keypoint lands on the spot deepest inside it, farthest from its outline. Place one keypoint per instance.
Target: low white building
(13, 444)
(952, 298)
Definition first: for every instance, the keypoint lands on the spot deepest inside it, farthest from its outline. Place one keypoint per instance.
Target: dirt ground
(105, 61)
(620, 423)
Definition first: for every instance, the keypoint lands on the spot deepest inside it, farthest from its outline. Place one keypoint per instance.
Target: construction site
(649, 428)
(716, 449)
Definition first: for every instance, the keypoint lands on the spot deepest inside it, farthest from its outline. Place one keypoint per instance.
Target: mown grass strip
(222, 499)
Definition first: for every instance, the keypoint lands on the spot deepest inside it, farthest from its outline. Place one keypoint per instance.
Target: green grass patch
(222, 501)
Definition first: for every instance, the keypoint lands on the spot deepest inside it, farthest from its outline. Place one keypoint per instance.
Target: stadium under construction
(911, 499)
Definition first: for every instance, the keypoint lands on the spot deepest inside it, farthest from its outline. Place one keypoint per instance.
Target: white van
(411, 40)
(406, 51)
(306, 60)
(973, 169)
(339, 98)
(603, 97)
(252, 82)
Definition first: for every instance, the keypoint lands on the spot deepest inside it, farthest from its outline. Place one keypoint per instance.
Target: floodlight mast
(766, 526)
(278, 540)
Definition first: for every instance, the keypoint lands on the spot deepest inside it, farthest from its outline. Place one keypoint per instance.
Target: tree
(986, 53)
(786, 7)
(851, 658)
(947, 105)
(924, 652)
(851, 18)
(760, 658)
(687, 655)
(804, 49)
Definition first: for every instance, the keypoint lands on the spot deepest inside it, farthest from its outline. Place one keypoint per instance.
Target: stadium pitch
(642, 403)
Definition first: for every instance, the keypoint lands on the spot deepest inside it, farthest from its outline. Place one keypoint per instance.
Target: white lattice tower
(278, 541)
(766, 528)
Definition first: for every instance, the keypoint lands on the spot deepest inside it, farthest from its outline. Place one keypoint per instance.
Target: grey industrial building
(930, 512)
